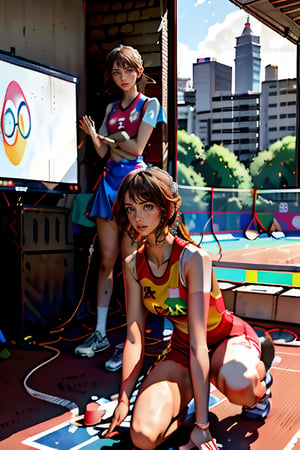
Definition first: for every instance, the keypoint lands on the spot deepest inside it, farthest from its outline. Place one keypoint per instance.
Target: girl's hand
(108, 141)
(199, 437)
(87, 125)
(120, 414)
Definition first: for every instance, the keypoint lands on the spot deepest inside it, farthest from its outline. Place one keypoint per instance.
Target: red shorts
(230, 326)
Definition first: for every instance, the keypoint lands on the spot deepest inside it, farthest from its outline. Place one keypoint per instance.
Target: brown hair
(124, 56)
(154, 185)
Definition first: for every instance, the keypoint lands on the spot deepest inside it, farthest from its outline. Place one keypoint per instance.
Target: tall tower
(247, 61)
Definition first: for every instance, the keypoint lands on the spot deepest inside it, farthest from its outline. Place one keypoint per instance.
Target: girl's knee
(151, 418)
(240, 385)
(107, 262)
(142, 435)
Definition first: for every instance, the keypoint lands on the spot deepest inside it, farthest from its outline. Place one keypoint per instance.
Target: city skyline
(209, 28)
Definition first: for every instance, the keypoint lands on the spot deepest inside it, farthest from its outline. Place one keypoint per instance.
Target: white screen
(40, 143)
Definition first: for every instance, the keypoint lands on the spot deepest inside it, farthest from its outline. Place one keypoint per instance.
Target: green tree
(192, 200)
(187, 176)
(189, 147)
(221, 168)
(275, 168)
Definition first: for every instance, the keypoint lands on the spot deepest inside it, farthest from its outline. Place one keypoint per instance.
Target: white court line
(286, 353)
(218, 403)
(296, 437)
(293, 441)
(286, 370)
(276, 367)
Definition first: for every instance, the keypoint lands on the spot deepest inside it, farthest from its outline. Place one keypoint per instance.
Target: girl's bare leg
(163, 395)
(238, 372)
(109, 246)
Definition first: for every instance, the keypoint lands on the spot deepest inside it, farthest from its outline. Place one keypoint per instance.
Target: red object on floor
(93, 414)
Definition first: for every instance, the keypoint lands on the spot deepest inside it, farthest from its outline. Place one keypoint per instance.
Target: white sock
(102, 313)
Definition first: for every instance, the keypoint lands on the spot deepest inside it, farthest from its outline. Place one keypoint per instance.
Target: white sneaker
(115, 362)
(94, 343)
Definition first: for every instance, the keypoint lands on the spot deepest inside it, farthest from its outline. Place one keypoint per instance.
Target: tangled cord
(72, 406)
(66, 403)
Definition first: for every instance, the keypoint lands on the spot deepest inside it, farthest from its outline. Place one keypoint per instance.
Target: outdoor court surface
(265, 260)
(287, 249)
(28, 422)
(280, 431)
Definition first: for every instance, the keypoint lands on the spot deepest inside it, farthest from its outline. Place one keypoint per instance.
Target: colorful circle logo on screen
(15, 123)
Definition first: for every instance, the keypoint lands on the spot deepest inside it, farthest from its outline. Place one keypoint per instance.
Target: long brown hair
(150, 184)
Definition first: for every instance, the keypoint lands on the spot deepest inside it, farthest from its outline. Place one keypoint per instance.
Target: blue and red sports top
(128, 119)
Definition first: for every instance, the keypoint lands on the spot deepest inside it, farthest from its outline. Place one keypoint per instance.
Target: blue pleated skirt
(109, 184)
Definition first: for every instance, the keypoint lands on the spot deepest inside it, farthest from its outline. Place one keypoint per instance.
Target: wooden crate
(256, 301)
(288, 306)
(228, 294)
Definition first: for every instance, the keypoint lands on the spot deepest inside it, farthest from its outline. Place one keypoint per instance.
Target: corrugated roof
(283, 16)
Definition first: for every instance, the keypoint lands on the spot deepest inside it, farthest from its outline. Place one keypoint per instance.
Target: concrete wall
(75, 36)
(111, 23)
(51, 32)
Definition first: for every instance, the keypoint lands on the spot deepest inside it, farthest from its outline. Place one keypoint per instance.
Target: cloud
(220, 43)
(185, 60)
(200, 2)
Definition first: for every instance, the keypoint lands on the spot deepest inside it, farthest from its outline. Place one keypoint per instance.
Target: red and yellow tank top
(167, 295)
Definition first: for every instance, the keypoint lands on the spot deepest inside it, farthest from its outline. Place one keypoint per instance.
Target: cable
(6, 199)
(72, 406)
(61, 326)
(210, 219)
(253, 234)
(260, 228)
(66, 403)
(212, 224)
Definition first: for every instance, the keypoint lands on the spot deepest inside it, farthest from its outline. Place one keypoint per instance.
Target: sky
(209, 28)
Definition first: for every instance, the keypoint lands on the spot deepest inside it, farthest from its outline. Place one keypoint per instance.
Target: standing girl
(173, 277)
(136, 115)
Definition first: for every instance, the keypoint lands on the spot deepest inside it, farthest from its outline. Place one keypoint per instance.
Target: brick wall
(110, 23)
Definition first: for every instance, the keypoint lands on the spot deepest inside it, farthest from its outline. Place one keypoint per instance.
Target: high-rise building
(210, 78)
(235, 124)
(244, 122)
(278, 110)
(271, 72)
(221, 117)
(247, 61)
(185, 105)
